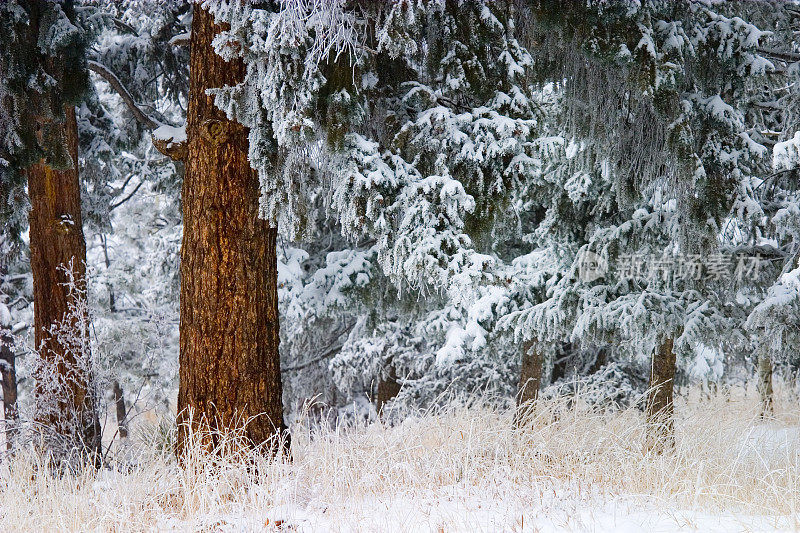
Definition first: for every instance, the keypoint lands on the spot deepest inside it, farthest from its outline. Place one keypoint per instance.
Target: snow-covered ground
(457, 510)
(463, 469)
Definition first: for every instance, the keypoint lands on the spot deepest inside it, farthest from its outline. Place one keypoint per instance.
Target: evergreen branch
(182, 39)
(775, 175)
(453, 104)
(19, 300)
(16, 277)
(119, 190)
(124, 26)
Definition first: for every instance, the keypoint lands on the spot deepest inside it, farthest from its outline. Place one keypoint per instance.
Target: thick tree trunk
(660, 407)
(229, 363)
(765, 385)
(530, 380)
(56, 243)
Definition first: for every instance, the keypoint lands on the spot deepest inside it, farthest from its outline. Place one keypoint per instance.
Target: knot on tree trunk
(215, 131)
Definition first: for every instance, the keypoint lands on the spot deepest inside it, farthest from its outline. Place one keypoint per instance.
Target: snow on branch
(182, 39)
(168, 140)
(171, 141)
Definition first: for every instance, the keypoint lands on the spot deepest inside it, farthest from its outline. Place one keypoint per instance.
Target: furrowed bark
(660, 407)
(56, 241)
(229, 363)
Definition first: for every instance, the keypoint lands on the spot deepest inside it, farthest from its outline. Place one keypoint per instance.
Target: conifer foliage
(432, 198)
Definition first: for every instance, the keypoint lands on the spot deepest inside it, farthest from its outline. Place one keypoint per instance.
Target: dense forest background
(365, 208)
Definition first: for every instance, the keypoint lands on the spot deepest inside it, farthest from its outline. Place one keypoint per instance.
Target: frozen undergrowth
(463, 469)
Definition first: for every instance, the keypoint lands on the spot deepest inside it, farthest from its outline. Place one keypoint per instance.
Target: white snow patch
(170, 134)
(180, 38)
(5, 315)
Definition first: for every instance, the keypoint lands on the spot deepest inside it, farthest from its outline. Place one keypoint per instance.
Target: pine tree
(229, 362)
(418, 136)
(658, 156)
(45, 76)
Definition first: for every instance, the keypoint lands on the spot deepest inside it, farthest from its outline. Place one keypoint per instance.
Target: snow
(557, 508)
(771, 440)
(170, 134)
(786, 154)
(5, 315)
(449, 149)
(180, 38)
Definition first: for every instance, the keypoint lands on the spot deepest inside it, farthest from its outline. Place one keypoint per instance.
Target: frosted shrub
(68, 384)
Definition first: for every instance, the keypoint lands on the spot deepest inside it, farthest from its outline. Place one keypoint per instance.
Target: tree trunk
(530, 380)
(765, 385)
(659, 398)
(8, 373)
(122, 412)
(56, 243)
(388, 387)
(229, 363)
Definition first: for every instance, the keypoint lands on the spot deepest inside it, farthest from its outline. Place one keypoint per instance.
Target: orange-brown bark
(56, 243)
(229, 363)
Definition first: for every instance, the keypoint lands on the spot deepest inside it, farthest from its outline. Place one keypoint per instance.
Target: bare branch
(117, 85)
(789, 57)
(173, 150)
(330, 353)
(116, 205)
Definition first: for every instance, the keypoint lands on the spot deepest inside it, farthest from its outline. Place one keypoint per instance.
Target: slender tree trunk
(8, 372)
(530, 380)
(660, 406)
(229, 363)
(56, 242)
(765, 385)
(122, 411)
(388, 387)
(112, 301)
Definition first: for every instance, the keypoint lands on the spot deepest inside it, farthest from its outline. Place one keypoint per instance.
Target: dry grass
(725, 460)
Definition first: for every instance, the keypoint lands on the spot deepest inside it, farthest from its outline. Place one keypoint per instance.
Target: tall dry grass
(725, 460)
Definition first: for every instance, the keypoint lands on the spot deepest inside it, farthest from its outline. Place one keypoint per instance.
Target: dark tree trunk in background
(530, 380)
(660, 406)
(56, 242)
(122, 411)
(765, 385)
(229, 363)
(388, 388)
(8, 372)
